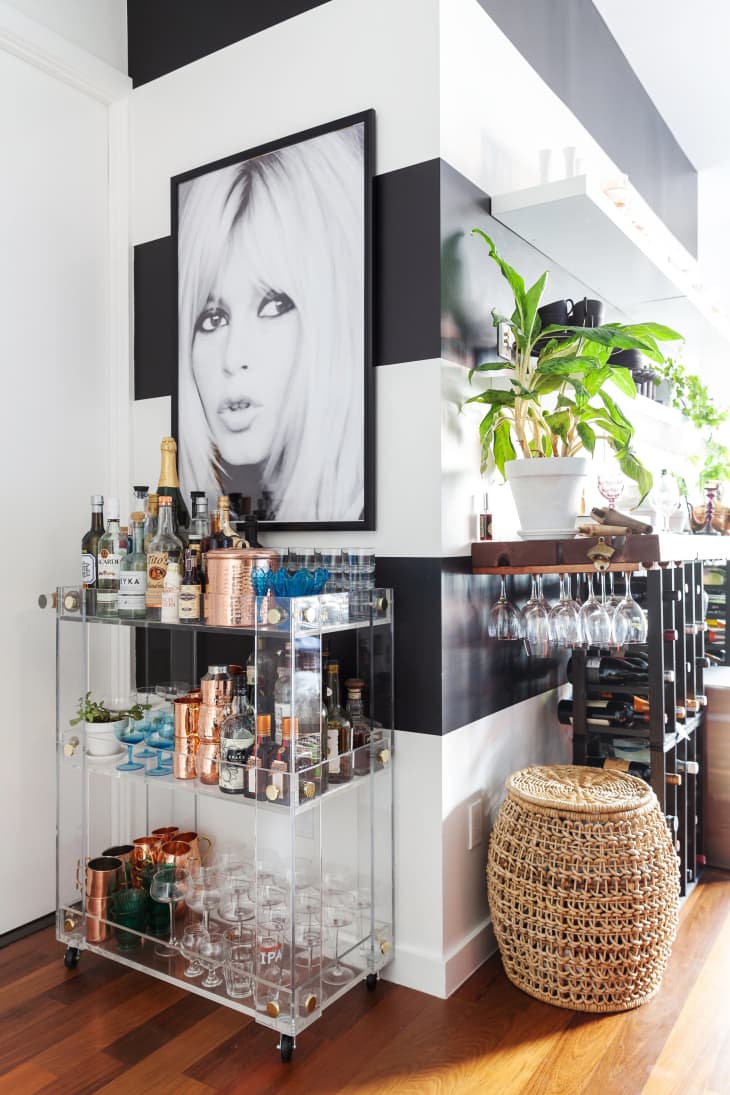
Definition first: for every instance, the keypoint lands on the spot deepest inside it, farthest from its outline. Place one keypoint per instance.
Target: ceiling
(679, 52)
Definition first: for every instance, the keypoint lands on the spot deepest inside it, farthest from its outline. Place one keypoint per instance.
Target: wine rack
(717, 589)
(672, 598)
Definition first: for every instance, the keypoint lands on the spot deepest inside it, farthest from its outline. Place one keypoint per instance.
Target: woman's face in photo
(244, 344)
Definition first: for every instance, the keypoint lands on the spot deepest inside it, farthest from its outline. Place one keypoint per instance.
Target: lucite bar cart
(302, 862)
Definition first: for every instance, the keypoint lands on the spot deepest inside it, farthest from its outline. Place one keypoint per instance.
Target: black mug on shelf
(556, 313)
(587, 313)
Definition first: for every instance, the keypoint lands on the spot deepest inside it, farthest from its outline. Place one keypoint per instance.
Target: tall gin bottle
(158, 555)
(151, 520)
(133, 577)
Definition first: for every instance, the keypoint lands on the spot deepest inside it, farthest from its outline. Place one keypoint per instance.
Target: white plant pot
(547, 493)
(101, 737)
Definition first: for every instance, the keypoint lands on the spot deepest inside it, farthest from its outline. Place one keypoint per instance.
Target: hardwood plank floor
(105, 1028)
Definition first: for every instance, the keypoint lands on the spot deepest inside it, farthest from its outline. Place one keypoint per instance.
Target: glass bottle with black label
(189, 603)
(110, 550)
(89, 544)
(237, 740)
(339, 730)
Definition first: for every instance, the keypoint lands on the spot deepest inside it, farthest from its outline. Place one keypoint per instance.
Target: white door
(54, 434)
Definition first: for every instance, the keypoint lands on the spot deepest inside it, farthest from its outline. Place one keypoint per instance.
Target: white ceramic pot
(547, 493)
(101, 737)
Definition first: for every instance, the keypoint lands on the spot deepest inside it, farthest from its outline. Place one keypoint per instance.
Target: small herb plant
(89, 710)
(557, 403)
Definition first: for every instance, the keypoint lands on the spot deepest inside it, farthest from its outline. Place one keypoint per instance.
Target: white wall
(97, 26)
(59, 437)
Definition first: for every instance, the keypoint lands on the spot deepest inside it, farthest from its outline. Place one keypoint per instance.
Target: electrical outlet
(505, 341)
(476, 831)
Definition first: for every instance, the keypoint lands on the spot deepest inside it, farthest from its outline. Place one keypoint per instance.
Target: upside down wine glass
(564, 620)
(595, 620)
(536, 621)
(504, 620)
(629, 621)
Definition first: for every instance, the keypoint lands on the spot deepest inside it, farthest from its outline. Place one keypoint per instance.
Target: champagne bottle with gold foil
(170, 486)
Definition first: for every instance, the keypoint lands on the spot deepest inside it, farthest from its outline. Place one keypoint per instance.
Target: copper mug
(103, 877)
(206, 762)
(209, 720)
(183, 764)
(185, 716)
(167, 832)
(193, 839)
(123, 852)
(144, 855)
(175, 852)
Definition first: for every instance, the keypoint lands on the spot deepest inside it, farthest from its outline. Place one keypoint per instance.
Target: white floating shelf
(626, 255)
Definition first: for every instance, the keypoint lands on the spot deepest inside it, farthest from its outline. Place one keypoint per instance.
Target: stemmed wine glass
(611, 484)
(629, 621)
(666, 496)
(337, 917)
(204, 893)
(566, 628)
(595, 619)
(504, 620)
(169, 886)
(210, 955)
(536, 621)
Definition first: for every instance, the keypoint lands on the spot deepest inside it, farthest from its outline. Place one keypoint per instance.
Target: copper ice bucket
(229, 599)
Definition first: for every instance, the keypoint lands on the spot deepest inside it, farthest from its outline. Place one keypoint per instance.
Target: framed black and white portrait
(274, 394)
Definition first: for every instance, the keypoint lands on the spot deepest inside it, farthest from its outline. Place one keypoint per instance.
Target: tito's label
(156, 571)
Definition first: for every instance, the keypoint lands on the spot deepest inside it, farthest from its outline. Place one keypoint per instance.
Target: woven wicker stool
(583, 887)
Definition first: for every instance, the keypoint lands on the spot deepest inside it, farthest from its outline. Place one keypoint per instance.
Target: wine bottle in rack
(605, 712)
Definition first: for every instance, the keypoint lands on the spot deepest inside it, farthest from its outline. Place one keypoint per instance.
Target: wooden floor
(104, 1028)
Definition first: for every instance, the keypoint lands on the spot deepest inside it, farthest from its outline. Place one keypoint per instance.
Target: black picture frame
(304, 152)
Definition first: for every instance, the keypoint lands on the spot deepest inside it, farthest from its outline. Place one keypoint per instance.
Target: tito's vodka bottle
(89, 544)
(111, 547)
(158, 554)
(133, 577)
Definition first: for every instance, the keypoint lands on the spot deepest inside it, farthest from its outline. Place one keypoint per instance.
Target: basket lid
(577, 788)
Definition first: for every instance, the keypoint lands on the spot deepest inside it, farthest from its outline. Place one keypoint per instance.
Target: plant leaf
(654, 330)
(623, 380)
(559, 423)
(516, 282)
(632, 467)
(496, 396)
(587, 436)
(503, 447)
(532, 324)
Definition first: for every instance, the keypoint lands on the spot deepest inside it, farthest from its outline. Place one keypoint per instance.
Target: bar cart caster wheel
(71, 958)
(371, 981)
(286, 1045)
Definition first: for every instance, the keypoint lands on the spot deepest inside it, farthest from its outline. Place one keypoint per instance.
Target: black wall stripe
(406, 266)
(155, 318)
(573, 50)
(166, 34)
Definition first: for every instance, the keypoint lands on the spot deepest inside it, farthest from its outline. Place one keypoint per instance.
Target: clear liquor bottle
(200, 523)
(151, 520)
(133, 577)
(111, 548)
(89, 545)
(170, 609)
(339, 730)
(282, 692)
(160, 548)
(224, 537)
(311, 742)
(237, 740)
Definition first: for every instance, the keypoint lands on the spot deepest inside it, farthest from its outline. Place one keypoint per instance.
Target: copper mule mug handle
(204, 854)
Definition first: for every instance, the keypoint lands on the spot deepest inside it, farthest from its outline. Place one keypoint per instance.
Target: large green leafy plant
(556, 403)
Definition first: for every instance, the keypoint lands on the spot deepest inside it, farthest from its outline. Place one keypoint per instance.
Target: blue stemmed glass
(130, 733)
(145, 726)
(160, 736)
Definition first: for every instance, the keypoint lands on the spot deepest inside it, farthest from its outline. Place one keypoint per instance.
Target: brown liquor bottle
(339, 730)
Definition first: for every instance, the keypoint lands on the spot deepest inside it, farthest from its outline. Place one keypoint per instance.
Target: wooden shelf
(571, 556)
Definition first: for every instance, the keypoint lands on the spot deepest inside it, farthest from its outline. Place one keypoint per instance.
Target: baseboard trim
(20, 932)
(441, 975)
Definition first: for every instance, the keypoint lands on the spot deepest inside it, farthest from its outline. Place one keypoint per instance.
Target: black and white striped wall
(213, 79)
